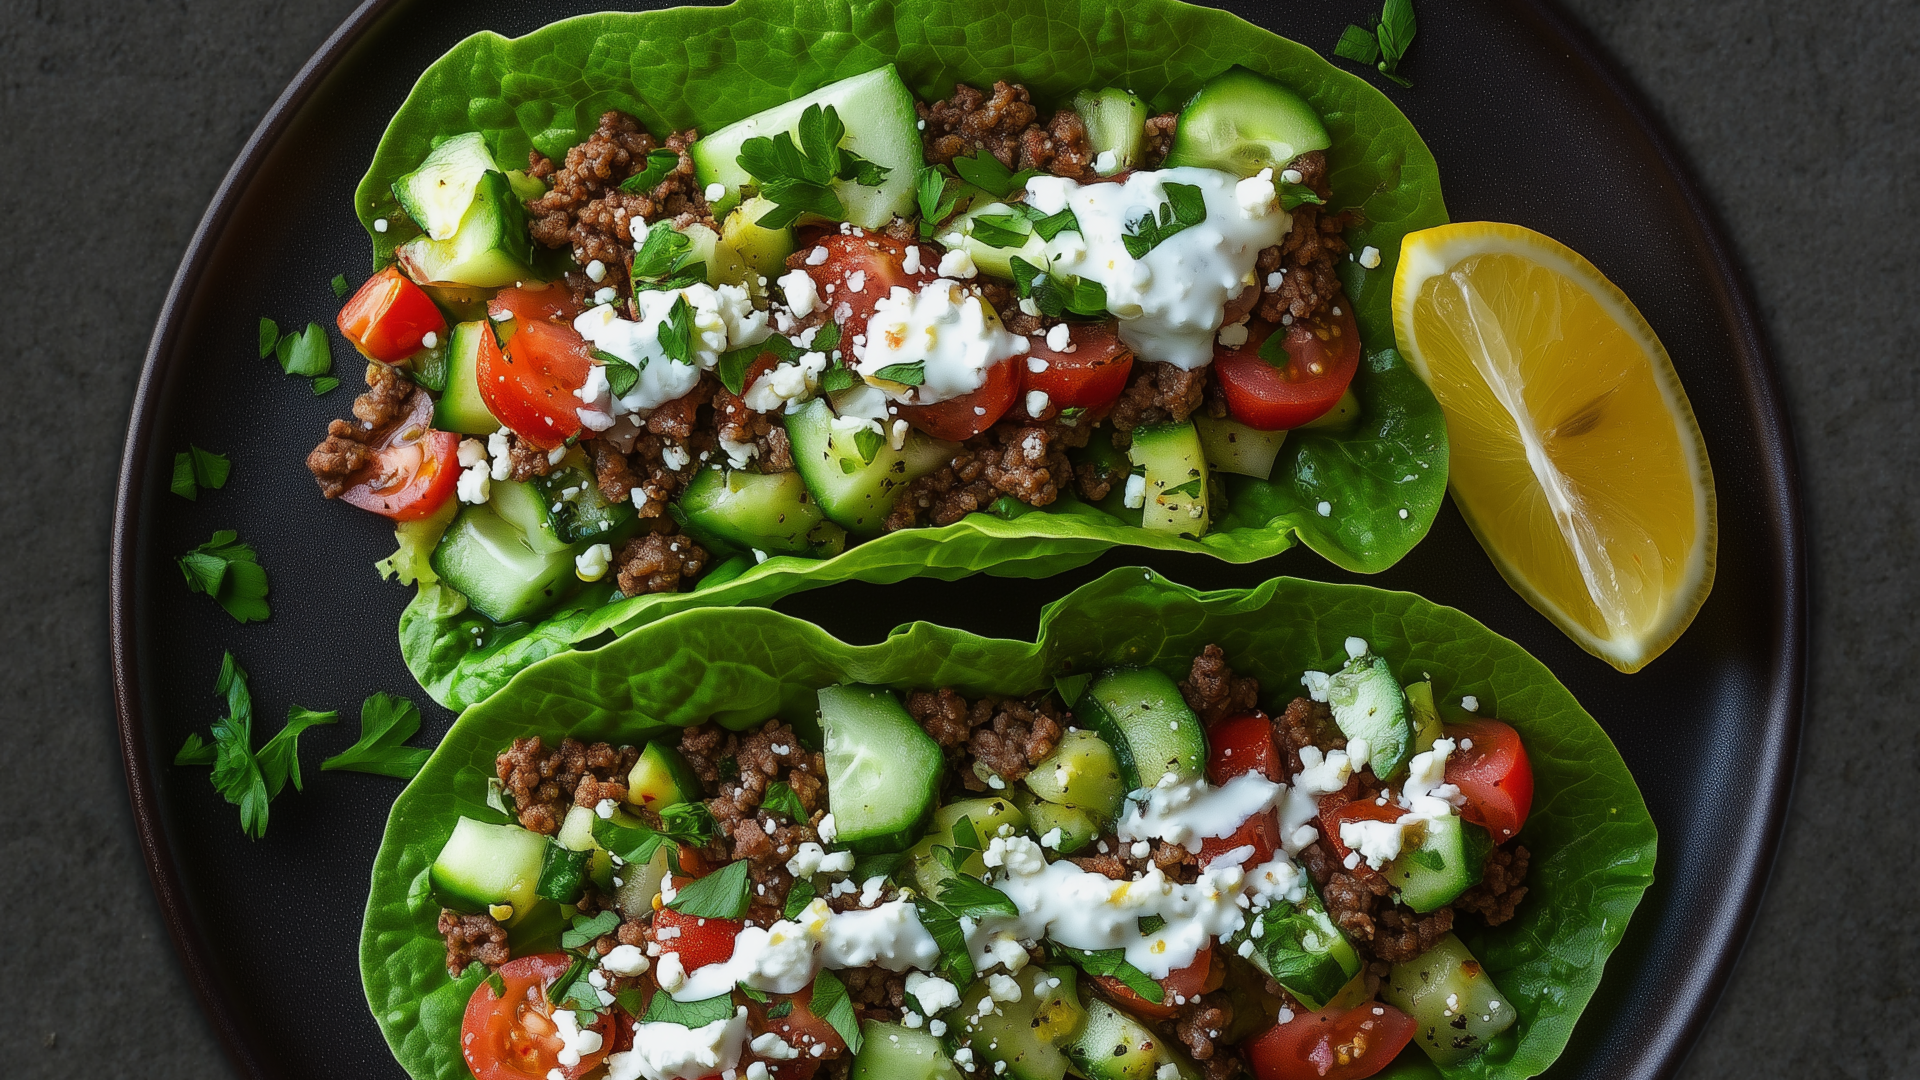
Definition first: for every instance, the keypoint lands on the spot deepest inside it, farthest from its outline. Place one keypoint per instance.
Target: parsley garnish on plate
(386, 722)
(228, 570)
(1185, 207)
(246, 778)
(798, 178)
(194, 468)
(1382, 47)
(339, 286)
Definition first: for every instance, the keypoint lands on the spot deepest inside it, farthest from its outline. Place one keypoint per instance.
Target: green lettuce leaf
(1381, 479)
(1591, 837)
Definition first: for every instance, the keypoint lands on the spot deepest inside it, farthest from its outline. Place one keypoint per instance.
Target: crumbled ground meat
(1119, 862)
(1305, 722)
(586, 211)
(348, 446)
(527, 460)
(1214, 692)
(1157, 393)
(1159, 140)
(612, 473)
(1006, 125)
(713, 753)
(876, 988)
(1007, 735)
(543, 784)
(1309, 253)
(765, 839)
(658, 562)
(1199, 1023)
(470, 938)
(337, 457)
(740, 424)
(1500, 889)
(1025, 460)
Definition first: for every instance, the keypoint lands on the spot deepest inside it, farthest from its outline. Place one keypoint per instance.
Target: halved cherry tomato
(1494, 774)
(530, 385)
(698, 941)
(1322, 358)
(961, 418)
(414, 469)
(389, 316)
(512, 1036)
(536, 303)
(1091, 375)
(1242, 744)
(1332, 816)
(1261, 832)
(801, 1029)
(1180, 985)
(1348, 1045)
(873, 262)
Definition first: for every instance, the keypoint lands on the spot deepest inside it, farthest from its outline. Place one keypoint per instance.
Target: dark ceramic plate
(1529, 126)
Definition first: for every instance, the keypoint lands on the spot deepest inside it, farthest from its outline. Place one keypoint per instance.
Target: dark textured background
(1799, 119)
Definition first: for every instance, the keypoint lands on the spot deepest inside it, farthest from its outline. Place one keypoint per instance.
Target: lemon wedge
(1575, 457)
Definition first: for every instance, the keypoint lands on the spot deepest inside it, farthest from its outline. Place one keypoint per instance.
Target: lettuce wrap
(1361, 496)
(1592, 840)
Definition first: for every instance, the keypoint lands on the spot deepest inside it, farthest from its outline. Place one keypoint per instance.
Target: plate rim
(1729, 931)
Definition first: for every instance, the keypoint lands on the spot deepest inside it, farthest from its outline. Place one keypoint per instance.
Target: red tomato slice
(800, 1029)
(873, 262)
(959, 419)
(530, 386)
(698, 941)
(414, 469)
(1242, 744)
(1331, 817)
(512, 1036)
(535, 303)
(1090, 376)
(389, 316)
(1322, 359)
(1182, 984)
(1494, 774)
(1348, 1045)
(1261, 832)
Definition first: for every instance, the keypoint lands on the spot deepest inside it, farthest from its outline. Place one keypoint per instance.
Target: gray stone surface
(1799, 118)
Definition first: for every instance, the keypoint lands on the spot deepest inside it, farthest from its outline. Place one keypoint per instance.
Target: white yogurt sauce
(676, 1052)
(944, 326)
(723, 318)
(782, 958)
(1187, 813)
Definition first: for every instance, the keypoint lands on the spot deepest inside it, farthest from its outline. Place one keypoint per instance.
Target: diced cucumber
(520, 504)
(576, 510)
(525, 186)
(1452, 999)
(460, 407)
(1302, 949)
(491, 248)
(1081, 772)
(1232, 447)
(461, 303)
(1344, 412)
(1367, 704)
(484, 865)
(436, 195)
(1447, 863)
(537, 929)
(1116, 121)
(990, 259)
(1142, 716)
(412, 559)
(764, 251)
(1115, 1046)
(1177, 494)
(770, 512)
(883, 769)
(1023, 1035)
(563, 873)
(1241, 122)
(1077, 827)
(986, 816)
(488, 561)
(857, 495)
(638, 885)
(897, 1052)
(882, 127)
(576, 833)
(724, 265)
(662, 778)
(1423, 715)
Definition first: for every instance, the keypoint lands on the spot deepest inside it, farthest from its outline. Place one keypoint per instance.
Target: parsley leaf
(694, 1014)
(324, 385)
(689, 823)
(1001, 230)
(801, 895)
(194, 468)
(1057, 294)
(1384, 46)
(621, 376)
(734, 364)
(496, 984)
(721, 895)
(780, 799)
(956, 962)
(1070, 687)
(659, 164)
(1152, 923)
(1293, 196)
(937, 200)
(754, 993)
(797, 178)
(914, 374)
(269, 337)
(1185, 207)
(632, 843)
(826, 339)
(1191, 489)
(386, 722)
(969, 898)
(831, 1003)
(780, 1008)
(1357, 44)
(1114, 962)
(280, 758)
(340, 286)
(1051, 225)
(984, 171)
(838, 377)
(1274, 349)
(677, 337)
(230, 572)
(306, 352)
(663, 261)
(587, 929)
(244, 778)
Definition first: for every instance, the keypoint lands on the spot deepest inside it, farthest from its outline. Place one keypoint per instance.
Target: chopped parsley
(798, 178)
(1001, 230)
(798, 898)
(1152, 924)
(586, 930)
(677, 336)
(659, 164)
(228, 570)
(1383, 46)
(194, 468)
(1070, 687)
(1113, 962)
(324, 385)
(1185, 207)
(720, 895)
(386, 722)
(831, 1003)
(914, 374)
(1057, 294)
(620, 375)
(780, 1008)
(780, 799)
(246, 778)
(937, 199)
(696, 1014)
(1191, 489)
(340, 286)
(665, 261)
(984, 171)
